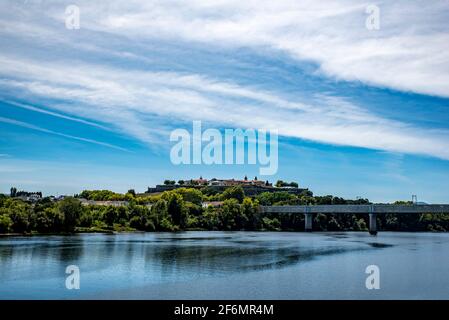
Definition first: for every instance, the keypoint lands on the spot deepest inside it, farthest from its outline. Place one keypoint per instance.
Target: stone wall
(249, 190)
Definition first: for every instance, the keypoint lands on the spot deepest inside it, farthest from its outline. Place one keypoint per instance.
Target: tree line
(183, 209)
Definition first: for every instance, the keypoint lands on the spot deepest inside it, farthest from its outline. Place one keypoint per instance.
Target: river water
(226, 265)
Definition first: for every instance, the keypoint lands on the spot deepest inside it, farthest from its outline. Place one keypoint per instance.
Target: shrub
(5, 223)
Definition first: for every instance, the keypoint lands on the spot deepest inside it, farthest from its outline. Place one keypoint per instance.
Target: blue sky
(359, 112)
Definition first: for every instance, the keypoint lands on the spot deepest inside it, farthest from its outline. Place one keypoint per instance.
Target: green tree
(159, 212)
(85, 194)
(324, 199)
(110, 215)
(209, 219)
(280, 183)
(209, 191)
(48, 220)
(2, 199)
(265, 198)
(141, 219)
(5, 223)
(71, 209)
(142, 222)
(250, 210)
(271, 224)
(122, 215)
(103, 195)
(19, 216)
(282, 197)
(13, 192)
(191, 195)
(176, 209)
(86, 219)
(360, 225)
(235, 192)
(229, 211)
(405, 203)
(193, 209)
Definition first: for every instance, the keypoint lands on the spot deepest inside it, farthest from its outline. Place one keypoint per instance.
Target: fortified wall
(249, 190)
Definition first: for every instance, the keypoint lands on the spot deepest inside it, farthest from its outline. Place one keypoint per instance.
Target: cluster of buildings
(229, 182)
(251, 187)
(36, 196)
(25, 195)
(31, 196)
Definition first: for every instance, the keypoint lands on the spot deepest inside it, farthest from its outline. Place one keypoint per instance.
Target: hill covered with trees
(191, 209)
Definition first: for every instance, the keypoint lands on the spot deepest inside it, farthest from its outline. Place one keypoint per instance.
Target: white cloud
(409, 53)
(129, 100)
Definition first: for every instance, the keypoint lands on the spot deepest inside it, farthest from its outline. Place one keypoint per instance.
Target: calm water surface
(226, 265)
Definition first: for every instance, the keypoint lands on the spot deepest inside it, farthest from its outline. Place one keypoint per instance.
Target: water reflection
(119, 261)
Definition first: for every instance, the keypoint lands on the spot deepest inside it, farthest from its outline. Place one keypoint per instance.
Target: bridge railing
(355, 208)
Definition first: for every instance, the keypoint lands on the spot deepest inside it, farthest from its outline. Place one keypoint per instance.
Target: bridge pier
(308, 218)
(372, 224)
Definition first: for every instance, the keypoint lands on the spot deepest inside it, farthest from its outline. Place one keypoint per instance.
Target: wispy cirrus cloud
(54, 114)
(124, 98)
(408, 53)
(37, 128)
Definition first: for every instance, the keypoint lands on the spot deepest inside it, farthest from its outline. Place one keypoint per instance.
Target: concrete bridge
(371, 210)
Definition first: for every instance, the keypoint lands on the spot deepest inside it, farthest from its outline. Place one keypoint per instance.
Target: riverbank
(182, 209)
(106, 232)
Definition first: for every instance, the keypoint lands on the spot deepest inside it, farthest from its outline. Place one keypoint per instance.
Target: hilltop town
(196, 204)
(251, 187)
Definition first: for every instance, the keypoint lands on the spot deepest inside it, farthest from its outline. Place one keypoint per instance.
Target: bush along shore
(190, 209)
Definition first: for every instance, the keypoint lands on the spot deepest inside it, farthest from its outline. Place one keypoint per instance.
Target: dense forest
(183, 209)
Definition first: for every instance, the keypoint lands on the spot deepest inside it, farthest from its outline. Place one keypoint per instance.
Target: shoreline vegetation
(190, 209)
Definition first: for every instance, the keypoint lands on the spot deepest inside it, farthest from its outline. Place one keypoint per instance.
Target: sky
(359, 112)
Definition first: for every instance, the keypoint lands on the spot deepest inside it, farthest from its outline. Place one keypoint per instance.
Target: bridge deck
(347, 208)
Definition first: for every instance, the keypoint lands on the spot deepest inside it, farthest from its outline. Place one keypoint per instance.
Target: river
(226, 265)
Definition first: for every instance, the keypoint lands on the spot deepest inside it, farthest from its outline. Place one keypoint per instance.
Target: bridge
(371, 210)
